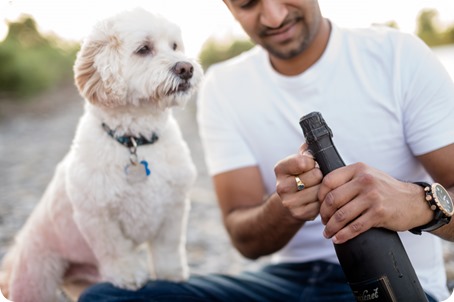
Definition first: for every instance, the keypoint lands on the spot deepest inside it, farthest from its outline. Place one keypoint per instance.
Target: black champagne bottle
(375, 262)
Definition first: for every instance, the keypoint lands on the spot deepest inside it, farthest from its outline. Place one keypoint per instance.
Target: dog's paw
(128, 273)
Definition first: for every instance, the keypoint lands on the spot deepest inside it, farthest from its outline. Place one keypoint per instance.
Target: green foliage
(392, 24)
(430, 30)
(213, 51)
(31, 63)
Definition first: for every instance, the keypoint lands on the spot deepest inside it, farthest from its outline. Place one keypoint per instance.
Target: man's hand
(303, 204)
(357, 197)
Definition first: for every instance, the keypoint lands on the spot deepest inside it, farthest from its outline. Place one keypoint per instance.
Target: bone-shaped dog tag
(137, 172)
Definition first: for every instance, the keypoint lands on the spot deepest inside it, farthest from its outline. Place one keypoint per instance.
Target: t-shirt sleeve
(428, 96)
(224, 146)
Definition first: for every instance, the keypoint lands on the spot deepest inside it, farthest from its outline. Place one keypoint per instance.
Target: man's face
(283, 27)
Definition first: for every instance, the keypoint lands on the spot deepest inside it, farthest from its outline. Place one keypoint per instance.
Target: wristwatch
(440, 202)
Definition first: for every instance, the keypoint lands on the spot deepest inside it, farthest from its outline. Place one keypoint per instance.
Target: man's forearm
(261, 230)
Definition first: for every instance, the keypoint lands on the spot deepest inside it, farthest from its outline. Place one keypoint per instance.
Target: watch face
(443, 199)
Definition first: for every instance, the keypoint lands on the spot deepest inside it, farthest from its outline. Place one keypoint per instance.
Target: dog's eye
(174, 46)
(144, 50)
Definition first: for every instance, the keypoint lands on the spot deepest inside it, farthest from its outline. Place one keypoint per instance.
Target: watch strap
(439, 219)
(432, 225)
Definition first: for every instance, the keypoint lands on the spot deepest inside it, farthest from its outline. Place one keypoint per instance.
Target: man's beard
(305, 39)
(291, 53)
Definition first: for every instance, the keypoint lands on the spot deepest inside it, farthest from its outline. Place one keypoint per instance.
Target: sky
(202, 19)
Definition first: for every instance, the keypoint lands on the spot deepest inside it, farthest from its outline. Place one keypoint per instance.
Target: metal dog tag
(137, 172)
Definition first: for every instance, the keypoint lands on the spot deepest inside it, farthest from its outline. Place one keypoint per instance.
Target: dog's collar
(131, 141)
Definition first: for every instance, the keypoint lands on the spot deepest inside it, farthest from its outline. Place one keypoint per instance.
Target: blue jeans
(316, 281)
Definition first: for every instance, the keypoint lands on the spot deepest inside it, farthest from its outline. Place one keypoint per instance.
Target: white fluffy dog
(126, 178)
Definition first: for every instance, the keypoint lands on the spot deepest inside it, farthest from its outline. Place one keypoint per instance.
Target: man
(390, 105)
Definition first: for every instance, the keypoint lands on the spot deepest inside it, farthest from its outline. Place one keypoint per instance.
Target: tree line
(31, 63)
(431, 31)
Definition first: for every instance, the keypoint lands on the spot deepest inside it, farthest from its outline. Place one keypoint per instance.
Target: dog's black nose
(184, 70)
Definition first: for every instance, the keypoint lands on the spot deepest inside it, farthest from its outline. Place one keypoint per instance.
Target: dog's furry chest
(99, 182)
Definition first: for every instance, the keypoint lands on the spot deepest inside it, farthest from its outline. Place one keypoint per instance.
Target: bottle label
(373, 290)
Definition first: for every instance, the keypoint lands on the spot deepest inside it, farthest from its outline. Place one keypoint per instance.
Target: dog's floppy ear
(97, 72)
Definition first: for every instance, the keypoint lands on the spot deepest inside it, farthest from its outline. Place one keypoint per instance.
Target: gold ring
(299, 184)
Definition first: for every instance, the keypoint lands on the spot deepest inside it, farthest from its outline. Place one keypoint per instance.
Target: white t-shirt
(382, 92)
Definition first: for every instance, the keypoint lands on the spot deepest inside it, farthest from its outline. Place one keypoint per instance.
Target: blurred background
(40, 107)
(39, 39)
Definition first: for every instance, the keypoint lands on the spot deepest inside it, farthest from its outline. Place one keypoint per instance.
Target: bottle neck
(326, 154)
